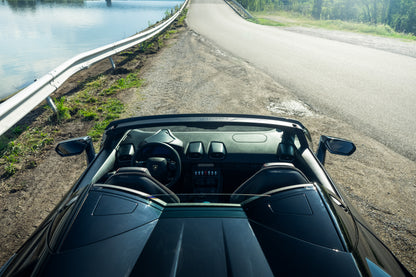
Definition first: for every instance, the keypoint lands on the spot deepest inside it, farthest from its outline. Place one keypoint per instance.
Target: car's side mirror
(334, 146)
(76, 146)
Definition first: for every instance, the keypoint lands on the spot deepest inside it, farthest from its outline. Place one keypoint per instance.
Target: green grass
(111, 111)
(10, 136)
(88, 115)
(106, 107)
(294, 19)
(99, 105)
(62, 110)
(17, 147)
(182, 17)
(131, 80)
(265, 21)
(95, 103)
(379, 30)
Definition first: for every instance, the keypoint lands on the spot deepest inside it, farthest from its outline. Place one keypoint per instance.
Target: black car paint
(57, 243)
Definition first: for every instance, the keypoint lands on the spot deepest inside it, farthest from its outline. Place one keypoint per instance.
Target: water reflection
(37, 36)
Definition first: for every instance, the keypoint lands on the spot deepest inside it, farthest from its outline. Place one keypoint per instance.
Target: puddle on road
(290, 107)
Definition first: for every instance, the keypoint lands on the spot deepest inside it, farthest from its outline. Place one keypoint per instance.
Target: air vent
(125, 152)
(286, 152)
(217, 150)
(195, 150)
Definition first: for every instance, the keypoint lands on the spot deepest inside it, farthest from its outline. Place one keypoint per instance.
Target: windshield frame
(117, 129)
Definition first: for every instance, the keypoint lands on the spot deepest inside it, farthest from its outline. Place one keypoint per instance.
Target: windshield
(214, 162)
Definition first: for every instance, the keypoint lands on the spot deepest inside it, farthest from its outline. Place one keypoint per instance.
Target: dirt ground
(191, 75)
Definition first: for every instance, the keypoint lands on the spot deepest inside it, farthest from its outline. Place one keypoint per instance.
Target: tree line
(399, 14)
(18, 5)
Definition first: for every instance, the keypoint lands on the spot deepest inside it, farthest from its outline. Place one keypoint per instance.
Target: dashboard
(211, 162)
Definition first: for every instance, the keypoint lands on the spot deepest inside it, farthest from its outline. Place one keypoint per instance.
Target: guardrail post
(112, 62)
(15, 108)
(51, 104)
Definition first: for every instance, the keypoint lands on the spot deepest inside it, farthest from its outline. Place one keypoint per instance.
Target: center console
(206, 178)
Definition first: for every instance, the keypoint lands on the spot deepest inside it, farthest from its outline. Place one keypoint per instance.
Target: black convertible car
(204, 195)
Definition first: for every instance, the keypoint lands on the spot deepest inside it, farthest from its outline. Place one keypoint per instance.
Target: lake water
(36, 37)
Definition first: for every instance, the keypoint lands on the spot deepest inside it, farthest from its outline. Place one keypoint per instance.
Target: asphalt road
(374, 90)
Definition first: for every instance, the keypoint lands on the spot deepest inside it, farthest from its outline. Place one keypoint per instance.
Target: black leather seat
(270, 177)
(139, 178)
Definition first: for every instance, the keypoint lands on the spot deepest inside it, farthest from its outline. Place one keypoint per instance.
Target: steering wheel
(162, 161)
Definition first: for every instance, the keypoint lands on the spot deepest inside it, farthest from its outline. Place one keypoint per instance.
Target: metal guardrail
(238, 8)
(18, 106)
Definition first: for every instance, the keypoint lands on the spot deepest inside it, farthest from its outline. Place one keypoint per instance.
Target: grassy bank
(282, 18)
(86, 104)
(93, 105)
